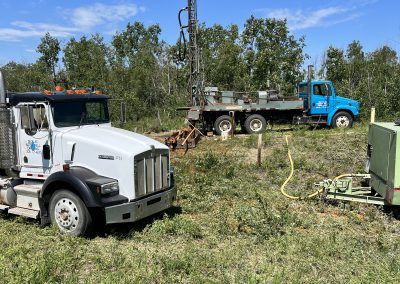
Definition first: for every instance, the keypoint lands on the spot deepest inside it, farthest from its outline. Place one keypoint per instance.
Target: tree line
(143, 70)
(370, 77)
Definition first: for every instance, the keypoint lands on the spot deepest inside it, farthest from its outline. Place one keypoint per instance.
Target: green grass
(230, 224)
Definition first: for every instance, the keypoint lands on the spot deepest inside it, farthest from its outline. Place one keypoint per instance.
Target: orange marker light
(47, 92)
(59, 88)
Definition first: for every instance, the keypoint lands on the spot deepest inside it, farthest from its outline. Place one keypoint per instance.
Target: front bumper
(136, 210)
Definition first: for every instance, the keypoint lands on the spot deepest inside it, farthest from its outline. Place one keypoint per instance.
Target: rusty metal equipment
(185, 138)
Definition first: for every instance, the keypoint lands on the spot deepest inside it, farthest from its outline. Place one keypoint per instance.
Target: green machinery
(382, 167)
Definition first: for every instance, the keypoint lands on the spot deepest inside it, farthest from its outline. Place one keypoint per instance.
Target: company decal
(33, 147)
(106, 157)
(321, 104)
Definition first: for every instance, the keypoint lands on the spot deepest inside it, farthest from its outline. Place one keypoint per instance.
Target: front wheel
(69, 213)
(342, 120)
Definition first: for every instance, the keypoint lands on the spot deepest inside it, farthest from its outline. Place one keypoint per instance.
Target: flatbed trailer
(252, 116)
(316, 103)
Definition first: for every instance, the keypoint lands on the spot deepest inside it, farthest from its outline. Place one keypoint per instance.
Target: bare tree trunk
(158, 117)
(369, 90)
(169, 80)
(385, 87)
(54, 75)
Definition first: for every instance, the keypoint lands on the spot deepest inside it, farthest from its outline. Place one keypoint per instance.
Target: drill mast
(195, 80)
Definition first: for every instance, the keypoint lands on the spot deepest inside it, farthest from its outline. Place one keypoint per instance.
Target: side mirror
(28, 120)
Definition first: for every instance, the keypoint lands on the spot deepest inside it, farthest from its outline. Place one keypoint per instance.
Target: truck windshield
(80, 113)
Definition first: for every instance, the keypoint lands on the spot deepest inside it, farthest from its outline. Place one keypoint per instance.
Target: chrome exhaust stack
(7, 133)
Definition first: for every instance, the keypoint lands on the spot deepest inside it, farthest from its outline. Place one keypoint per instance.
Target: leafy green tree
(383, 70)
(86, 61)
(135, 62)
(26, 77)
(335, 68)
(223, 57)
(372, 78)
(49, 48)
(272, 53)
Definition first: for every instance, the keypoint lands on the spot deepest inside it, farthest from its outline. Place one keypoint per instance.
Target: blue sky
(323, 23)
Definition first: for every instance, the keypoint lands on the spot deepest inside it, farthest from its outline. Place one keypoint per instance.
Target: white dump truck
(62, 162)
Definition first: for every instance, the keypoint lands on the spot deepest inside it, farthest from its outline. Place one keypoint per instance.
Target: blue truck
(315, 103)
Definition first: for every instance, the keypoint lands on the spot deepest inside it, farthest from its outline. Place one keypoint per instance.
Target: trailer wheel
(342, 120)
(255, 124)
(223, 124)
(69, 213)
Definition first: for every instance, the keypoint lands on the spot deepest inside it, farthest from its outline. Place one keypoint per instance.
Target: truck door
(33, 138)
(320, 97)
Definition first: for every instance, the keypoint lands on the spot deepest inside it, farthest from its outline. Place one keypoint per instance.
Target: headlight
(109, 187)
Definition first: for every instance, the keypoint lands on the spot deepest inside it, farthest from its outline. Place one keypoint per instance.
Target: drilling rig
(196, 85)
(188, 137)
(220, 111)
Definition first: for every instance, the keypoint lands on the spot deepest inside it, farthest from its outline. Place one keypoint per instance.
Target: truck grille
(151, 172)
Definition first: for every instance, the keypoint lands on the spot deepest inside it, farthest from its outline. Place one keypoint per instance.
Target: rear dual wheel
(255, 124)
(223, 124)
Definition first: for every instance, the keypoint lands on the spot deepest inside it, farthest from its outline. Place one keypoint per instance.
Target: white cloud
(300, 19)
(97, 14)
(83, 19)
(19, 33)
(21, 30)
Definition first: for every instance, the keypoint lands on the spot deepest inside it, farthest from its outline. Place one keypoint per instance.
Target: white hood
(106, 150)
(115, 139)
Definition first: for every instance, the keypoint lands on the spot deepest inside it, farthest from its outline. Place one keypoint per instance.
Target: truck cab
(62, 162)
(327, 107)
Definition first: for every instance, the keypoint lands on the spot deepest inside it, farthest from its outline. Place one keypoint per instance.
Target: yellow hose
(291, 175)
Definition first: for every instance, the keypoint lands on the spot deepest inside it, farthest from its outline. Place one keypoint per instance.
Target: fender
(83, 182)
(350, 109)
(75, 178)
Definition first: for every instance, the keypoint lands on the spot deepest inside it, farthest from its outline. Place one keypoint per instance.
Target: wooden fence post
(372, 114)
(259, 148)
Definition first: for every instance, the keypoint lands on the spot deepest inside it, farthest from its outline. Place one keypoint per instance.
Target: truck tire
(223, 124)
(255, 124)
(69, 213)
(342, 120)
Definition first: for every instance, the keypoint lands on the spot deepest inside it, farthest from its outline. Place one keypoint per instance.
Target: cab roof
(16, 98)
(315, 82)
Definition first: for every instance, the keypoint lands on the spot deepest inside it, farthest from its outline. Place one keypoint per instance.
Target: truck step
(28, 189)
(4, 207)
(34, 214)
